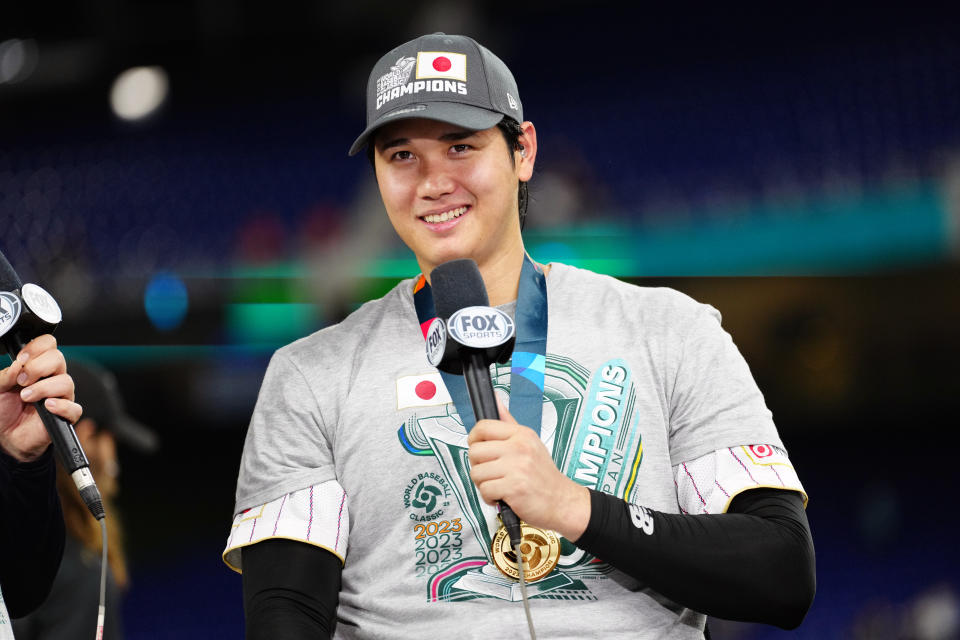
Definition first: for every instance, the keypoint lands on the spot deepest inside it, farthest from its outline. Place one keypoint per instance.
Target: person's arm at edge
(31, 533)
(290, 590)
(754, 563)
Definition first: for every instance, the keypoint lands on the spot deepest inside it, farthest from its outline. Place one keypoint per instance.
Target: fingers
(39, 345)
(493, 490)
(504, 412)
(41, 364)
(491, 430)
(41, 370)
(44, 360)
(515, 457)
(492, 440)
(58, 386)
(487, 465)
(480, 452)
(8, 377)
(66, 409)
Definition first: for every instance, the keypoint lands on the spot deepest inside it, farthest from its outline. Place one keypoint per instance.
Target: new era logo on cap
(441, 64)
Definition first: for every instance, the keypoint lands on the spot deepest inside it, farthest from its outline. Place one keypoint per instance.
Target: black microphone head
(9, 280)
(457, 284)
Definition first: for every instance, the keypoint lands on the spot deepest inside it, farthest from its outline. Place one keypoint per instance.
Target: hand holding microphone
(509, 463)
(465, 338)
(28, 315)
(38, 374)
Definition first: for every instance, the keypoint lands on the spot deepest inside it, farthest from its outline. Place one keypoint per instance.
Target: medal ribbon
(529, 351)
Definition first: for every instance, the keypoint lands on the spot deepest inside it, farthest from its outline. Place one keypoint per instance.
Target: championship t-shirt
(356, 447)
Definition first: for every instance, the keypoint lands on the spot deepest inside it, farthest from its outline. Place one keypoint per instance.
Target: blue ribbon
(529, 351)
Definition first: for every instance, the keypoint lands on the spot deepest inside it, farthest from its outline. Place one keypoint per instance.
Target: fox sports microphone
(468, 336)
(27, 311)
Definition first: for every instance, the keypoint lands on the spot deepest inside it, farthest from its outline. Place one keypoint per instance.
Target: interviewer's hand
(38, 373)
(510, 463)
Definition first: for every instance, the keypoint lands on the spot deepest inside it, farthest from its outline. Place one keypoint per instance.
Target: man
(31, 523)
(643, 458)
(71, 609)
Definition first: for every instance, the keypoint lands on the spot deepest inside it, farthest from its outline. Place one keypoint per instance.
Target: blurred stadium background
(798, 168)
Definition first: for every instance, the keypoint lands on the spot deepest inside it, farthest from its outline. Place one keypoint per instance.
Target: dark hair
(511, 131)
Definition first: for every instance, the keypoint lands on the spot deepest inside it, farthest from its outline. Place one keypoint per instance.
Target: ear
(526, 160)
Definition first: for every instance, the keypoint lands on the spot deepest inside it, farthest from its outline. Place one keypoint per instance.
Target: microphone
(467, 336)
(28, 311)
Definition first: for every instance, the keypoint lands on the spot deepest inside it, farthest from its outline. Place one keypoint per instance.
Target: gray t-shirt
(355, 447)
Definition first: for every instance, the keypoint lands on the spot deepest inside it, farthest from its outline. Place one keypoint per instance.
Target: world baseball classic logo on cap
(441, 64)
(398, 75)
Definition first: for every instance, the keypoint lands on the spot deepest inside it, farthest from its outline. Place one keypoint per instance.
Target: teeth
(446, 215)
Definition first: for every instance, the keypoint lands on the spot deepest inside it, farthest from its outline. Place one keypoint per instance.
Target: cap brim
(134, 434)
(462, 115)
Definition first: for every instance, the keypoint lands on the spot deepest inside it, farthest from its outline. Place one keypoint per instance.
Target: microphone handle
(65, 442)
(71, 456)
(476, 374)
(66, 446)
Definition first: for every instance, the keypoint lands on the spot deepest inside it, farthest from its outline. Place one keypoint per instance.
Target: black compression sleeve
(290, 590)
(754, 563)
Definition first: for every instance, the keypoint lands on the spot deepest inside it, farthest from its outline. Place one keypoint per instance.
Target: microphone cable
(515, 532)
(523, 592)
(102, 610)
(457, 286)
(62, 433)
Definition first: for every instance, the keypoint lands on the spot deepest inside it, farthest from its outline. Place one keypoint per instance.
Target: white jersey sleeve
(317, 515)
(287, 485)
(709, 483)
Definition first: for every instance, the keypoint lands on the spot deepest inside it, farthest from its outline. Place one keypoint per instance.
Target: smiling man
(451, 193)
(634, 443)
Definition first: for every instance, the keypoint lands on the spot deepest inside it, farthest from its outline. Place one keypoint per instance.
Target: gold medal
(540, 550)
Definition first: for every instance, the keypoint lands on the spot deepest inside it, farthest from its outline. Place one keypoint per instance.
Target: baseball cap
(441, 77)
(97, 393)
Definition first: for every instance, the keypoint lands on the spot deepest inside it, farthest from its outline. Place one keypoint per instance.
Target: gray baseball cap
(98, 394)
(440, 77)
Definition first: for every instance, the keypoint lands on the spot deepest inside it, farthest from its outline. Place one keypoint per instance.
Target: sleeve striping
(310, 521)
(743, 465)
(708, 484)
(322, 511)
(279, 513)
(694, 483)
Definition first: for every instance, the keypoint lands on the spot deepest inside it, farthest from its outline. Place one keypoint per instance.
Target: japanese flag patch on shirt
(425, 390)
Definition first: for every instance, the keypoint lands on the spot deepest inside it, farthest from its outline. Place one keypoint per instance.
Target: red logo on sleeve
(761, 450)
